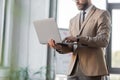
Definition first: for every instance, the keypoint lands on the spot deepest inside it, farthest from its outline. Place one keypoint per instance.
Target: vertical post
(50, 74)
(51, 52)
(3, 32)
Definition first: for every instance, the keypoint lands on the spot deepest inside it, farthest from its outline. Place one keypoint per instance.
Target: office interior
(22, 57)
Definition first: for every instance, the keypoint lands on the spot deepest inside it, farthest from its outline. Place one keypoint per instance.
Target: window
(115, 38)
(114, 77)
(114, 1)
(114, 48)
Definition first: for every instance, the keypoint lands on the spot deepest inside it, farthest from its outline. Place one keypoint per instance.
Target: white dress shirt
(81, 14)
(86, 12)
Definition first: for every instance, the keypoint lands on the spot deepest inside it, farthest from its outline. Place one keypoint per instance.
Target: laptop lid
(47, 29)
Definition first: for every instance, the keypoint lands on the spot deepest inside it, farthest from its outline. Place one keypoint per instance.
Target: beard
(82, 6)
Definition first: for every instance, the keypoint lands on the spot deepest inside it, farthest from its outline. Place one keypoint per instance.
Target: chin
(79, 8)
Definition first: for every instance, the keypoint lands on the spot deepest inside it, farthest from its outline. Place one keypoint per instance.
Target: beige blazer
(94, 33)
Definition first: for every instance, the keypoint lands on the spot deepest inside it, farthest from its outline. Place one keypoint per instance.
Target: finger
(58, 47)
(68, 40)
(65, 39)
(53, 42)
(50, 44)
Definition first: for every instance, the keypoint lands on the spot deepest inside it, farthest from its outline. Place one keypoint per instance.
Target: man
(90, 29)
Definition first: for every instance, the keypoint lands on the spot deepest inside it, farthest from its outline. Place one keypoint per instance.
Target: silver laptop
(47, 29)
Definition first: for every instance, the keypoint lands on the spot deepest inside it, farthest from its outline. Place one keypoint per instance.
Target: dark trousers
(78, 75)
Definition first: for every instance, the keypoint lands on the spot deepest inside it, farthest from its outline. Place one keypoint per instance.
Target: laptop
(47, 29)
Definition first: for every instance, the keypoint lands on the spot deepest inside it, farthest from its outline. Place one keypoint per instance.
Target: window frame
(112, 70)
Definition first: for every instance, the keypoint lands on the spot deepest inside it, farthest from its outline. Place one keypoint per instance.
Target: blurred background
(22, 57)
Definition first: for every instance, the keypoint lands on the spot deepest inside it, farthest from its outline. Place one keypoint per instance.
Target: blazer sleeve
(102, 33)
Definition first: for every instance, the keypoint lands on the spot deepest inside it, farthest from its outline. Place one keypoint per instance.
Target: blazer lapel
(78, 24)
(87, 18)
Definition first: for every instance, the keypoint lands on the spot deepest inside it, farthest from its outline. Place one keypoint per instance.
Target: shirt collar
(88, 9)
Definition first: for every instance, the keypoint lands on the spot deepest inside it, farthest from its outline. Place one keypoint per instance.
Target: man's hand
(70, 39)
(52, 44)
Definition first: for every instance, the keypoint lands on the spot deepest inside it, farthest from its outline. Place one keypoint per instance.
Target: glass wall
(114, 76)
(114, 54)
(114, 1)
(115, 38)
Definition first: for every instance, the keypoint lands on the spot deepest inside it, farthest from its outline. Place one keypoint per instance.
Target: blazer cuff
(74, 47)
(60, 51)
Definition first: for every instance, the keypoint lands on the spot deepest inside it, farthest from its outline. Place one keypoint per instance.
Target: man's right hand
(52, 44)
